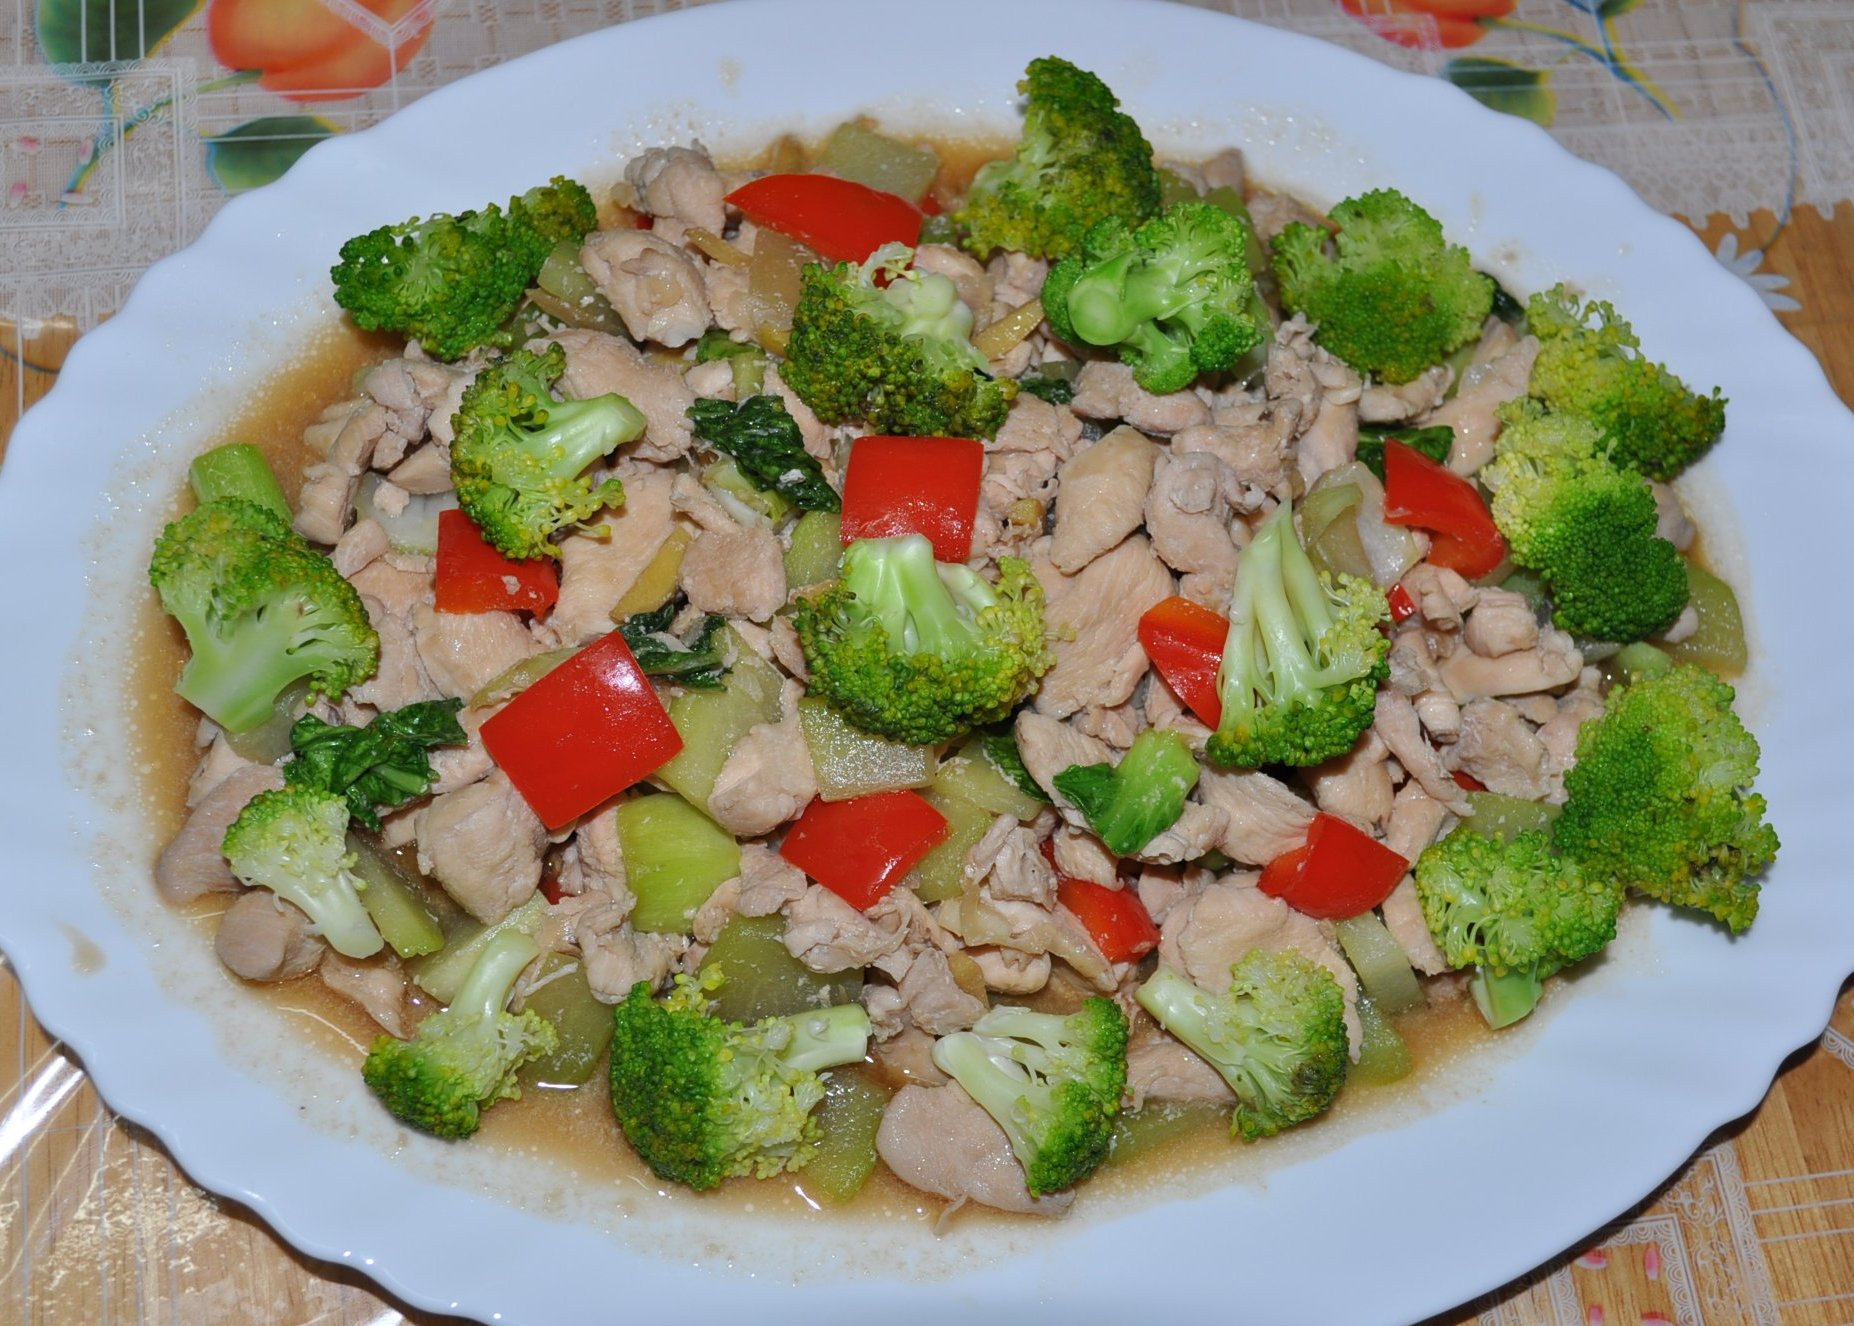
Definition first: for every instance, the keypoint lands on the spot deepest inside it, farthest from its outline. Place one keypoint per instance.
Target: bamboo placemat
(1739, 113)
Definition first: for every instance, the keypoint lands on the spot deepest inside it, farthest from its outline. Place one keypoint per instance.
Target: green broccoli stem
(1505, 998)
(1184, 1009)
(486, 990)
(573, 434)
(235, 677)
(1279, 597)
(1001, 1085)
(827, 1038)
(898, 581)
(239, 469)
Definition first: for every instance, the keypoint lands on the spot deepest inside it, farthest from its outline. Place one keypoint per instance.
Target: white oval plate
(1596, 1105)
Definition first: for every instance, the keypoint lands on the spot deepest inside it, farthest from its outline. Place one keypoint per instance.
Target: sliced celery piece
(712, 722)
(764, 980)
(396, 904)
(441, 974)
(852, 763)
(674, 856)
(815, 550)
(584, 1024)
(848, 1118)
(1379, 960)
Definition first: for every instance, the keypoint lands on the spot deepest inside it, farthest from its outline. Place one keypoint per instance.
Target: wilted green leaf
(1503, 86)
(258, 151)
(96, 31)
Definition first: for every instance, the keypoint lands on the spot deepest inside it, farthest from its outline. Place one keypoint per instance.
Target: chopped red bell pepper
(1402, 606)
(914, 485)
(1467, 782)
(1339, 871)
(1185, 642)
(1418, 491)
(583, 733)
(843, 220)
(859, 849)
(1115, 919)
(473, 576)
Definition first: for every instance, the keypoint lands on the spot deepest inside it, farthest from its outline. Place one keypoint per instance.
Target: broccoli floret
(452, 282)
(519, 455)
(702, 1099)
(1660, 798)
(1586, 527)
(1081, 159)
(1175, 295)
(1650, 421)
(1052, 1082)
(899, 356)
(294, 842)
(1277, 1035)
(921, 651)
(1131, 803)
(1304, 658)
(1513, 911)
(261, 609)
(464, 1059)
(1396, 298)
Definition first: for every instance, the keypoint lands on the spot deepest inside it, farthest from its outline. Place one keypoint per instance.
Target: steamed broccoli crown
(519, 455)
(1660, 798)
(1650, 420)
(1052, 1082)
(1080, 160)
(464, 1058)
(1511, 905)
(917, 651)
(1586, 526)
(1277, 1035)
(1303, 660)
(702, 1099)
(898, 357)
(261, 608)
(1175, 295)
(1396, 297)
(293, 841)
(452, 282)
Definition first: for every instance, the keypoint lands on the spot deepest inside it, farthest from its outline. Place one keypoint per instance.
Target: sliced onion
(1389, 550)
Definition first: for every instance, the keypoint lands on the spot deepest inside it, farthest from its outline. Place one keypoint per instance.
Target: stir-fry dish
(868, 665)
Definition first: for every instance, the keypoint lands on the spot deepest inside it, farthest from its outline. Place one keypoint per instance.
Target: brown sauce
(574, 1129)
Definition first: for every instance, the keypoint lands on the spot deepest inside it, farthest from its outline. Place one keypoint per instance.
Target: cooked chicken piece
(1502, 622)
(978, 919)
(1093, 619)
(1396, 403)
(365, 541)
(737, 573)
(938, 1139)
(1356, 786)
(1274, 212)
(938, 1004)
(345, 437)
(1188, 519)
(1554, 663)
(1412, 666)
(1103, 497)
(1684, 627)
(1011, 971)
(680, 183)
(714, 913)
(1009, 861)
(598, 363)
(1498, 747)
(903, 1053)
(1440, 716)
(1397, 726)
(1330, 441)
(1441, 596)
(464, 651)
(1116, 724)
(1559, 733)
(1014, 500)
(427, 470)
(483, 845)
(1266, 816)
(401, 678)
(1214, 928)
(601, 860)
(1048, 747)
(1416, 819)
(218, 763)
(768, 778)
(787, 651)
(263, 938)
(1258, 453)
(1106, 390)
(1487, 384)
(817, 438)
(1671, 520)
(1081, 855)
(459, 766)
(827, 934)
(618, 957)
(655, 287)
(767, 881)
(1035, 425)
(191, 865)
(378, 987)
(1016, 278)
(1161, 888)
(1196, 830)
(1162, 1071)
(595, 572)
(975, 285)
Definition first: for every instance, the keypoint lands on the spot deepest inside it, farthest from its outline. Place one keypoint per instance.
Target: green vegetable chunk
(849, 762)
(398, 906)
(377, 767)
(849, 1117)
(564, 1000)
(814, 550)
(764, 441)
(712, 722)
(700, 660)
(763, 979)
(1132, 803)
(674, 856)
(238, 469)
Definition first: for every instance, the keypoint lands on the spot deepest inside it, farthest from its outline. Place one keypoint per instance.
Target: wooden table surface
(98, 1226)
